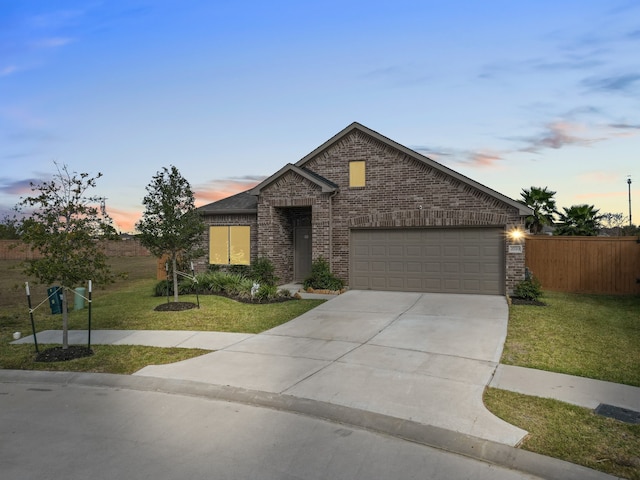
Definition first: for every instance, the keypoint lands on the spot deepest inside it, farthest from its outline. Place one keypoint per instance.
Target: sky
(512, 94)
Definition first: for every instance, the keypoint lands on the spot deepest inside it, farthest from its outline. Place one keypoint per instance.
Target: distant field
(12, 280)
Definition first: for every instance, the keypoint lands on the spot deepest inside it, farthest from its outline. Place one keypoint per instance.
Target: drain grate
(623, 414)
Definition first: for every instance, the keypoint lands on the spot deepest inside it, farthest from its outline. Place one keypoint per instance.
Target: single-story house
(384, 216)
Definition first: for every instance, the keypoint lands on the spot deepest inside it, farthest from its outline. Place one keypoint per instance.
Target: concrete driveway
(417, 356)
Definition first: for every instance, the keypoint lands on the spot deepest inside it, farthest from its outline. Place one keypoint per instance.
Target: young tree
(170, 224)
(541, 201)
(579, 220)
(66, 227)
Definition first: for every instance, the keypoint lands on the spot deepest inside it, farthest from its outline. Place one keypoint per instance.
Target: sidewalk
(584, 392)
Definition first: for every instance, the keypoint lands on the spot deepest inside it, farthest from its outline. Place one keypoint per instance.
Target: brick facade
(401, 191)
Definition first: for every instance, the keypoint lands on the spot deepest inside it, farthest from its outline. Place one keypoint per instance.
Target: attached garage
(442, 260)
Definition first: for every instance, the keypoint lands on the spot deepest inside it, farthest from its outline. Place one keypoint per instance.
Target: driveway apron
(418, 356)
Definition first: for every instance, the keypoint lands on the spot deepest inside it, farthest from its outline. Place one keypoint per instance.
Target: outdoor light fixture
(516, 234)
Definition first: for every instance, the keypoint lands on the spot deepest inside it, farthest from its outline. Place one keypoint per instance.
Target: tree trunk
(175, 277)
(65, 321)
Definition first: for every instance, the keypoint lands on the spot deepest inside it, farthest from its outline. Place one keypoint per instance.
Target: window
(357, 174)
(230, 245)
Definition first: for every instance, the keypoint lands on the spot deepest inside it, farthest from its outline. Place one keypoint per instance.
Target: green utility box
(55, 299)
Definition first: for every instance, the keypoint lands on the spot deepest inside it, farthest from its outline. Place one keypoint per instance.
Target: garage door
(458, 260)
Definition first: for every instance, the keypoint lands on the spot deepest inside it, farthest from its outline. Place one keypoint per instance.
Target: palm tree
(541, 201)
(579, 220)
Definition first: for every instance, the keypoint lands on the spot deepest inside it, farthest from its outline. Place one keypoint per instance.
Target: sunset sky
(513, 94)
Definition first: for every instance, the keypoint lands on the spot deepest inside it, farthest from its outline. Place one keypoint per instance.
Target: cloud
(8, 70)
(17, 187)
(625, 126)
(432, 152)
(557, 135)
(483, 159)
(124, 220)
(53, 42)
(215, 190)
(623, 83)
(469, 158)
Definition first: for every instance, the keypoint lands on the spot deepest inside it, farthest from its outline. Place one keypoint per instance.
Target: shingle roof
(326, 185)
(242, 202)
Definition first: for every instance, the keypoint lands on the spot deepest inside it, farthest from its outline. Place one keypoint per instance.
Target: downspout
(331, 229)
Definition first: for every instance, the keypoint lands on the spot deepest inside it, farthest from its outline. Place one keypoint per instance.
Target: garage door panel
(455, 260)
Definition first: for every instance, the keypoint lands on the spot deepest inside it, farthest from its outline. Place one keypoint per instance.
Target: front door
(301, 253)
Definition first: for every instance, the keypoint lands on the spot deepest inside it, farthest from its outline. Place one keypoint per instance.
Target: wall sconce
(516, 235)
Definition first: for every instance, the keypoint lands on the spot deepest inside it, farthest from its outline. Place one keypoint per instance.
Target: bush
(265, 293)
(321, 277)
(529, 289)
(242, 270)
(263, 271)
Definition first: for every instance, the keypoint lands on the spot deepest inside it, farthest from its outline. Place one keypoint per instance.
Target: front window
(230, 245)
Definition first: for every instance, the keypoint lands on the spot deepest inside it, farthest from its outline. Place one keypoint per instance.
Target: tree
(170, 224)
(613, 223)
(66, 227)
(541, 201)
(9, 229)
(579, 220)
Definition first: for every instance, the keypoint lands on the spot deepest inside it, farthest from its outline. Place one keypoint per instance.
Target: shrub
(242, 270)
(321, 277)
(263, 271)
(212, 282)
(236, 284)
(160, 289)
(266, 292)
(530, 288)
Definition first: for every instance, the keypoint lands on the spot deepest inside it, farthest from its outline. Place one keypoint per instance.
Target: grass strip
(121, 359)
(568, 432)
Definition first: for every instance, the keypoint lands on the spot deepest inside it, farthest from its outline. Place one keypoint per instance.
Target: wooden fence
(122, 248)
(606, 265)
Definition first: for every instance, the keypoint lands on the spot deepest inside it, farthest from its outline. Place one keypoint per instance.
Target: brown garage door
(452, 260)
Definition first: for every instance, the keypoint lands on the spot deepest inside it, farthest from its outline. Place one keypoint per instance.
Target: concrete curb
(461, 444)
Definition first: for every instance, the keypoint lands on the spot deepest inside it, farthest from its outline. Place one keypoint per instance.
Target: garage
(440, 260)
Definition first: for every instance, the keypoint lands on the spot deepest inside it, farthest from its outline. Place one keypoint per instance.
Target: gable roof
(522, 209)
(240, 203)
(326, 186)
(247, 202)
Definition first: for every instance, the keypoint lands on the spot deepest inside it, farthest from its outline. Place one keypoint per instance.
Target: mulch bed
(59, 354)
(526, 301)
(175, 306)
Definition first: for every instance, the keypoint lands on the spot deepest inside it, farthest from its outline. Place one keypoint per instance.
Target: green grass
(570, 433)
(127, 304)
(121, 359)
(594, 336)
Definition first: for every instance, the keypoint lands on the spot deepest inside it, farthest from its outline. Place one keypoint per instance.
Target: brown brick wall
(400, 192)
(227, 220)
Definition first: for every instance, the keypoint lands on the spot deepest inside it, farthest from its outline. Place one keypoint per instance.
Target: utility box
(55, 299)
(78, 302)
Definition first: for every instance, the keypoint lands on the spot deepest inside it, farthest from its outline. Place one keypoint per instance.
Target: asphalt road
(65, 431)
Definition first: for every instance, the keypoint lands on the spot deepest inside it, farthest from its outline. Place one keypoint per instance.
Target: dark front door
(302, 253)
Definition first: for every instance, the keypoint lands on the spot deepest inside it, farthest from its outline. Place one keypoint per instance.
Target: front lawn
(594, 336)
(128, 304)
